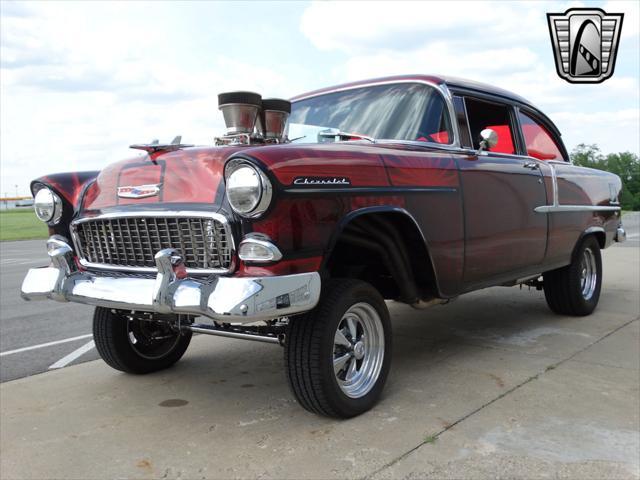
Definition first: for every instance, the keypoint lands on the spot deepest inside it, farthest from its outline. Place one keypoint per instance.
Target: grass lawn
(21, 224)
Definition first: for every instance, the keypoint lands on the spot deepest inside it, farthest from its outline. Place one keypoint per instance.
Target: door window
(481, 115)
(538, 140)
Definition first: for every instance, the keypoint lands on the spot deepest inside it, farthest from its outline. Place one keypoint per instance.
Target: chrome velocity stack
(240, 111)
(275, 112)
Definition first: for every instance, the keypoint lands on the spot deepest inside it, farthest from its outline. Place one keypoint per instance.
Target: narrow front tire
(134, 345)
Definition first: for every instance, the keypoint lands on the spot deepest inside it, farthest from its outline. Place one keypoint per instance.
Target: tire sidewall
(116, 340)
(581, 305)
(360, 292)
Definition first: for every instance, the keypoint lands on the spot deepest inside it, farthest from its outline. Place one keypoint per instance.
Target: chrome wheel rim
(358, 350)
(588, 274)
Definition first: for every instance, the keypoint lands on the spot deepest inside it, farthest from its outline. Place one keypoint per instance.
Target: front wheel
(575, 289)
(135, 345)
(338, 356)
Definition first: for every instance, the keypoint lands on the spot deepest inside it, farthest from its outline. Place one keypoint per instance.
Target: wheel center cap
(358, 350)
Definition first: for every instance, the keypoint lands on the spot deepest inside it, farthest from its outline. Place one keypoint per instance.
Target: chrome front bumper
(225, 299)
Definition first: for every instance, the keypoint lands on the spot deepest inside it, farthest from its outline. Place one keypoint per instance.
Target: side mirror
(488, 139)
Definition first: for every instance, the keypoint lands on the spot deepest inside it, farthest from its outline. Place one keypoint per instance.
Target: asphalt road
(30, 324)
(27, 326)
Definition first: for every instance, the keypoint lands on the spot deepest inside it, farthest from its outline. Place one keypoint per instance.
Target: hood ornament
(156, 146)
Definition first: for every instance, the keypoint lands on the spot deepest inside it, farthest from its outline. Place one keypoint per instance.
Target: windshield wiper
(344, 135)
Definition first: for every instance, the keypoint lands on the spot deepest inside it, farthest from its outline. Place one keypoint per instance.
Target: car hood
(196, 175)
(188, 176)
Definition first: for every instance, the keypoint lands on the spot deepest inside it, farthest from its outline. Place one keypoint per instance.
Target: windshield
(403, 111)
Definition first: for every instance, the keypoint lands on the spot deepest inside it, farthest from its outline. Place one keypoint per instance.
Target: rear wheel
(137, 345)
(575, 289)
(338, 356)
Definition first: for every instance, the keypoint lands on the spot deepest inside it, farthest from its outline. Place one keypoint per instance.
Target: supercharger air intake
(251, 120)
(275, 112)
(240, 111)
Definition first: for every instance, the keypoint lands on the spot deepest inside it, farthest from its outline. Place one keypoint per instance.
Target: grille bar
(132, 241)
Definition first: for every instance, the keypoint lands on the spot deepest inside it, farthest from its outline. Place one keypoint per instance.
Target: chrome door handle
(530, 165)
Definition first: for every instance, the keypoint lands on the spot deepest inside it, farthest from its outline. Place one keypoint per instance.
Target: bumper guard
(225, 299)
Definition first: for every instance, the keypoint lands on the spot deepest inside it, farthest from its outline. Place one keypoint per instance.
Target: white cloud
(80, 81)
(631, 21)
(613, 131)
(500, 43)
(79, 86)
(353, 27)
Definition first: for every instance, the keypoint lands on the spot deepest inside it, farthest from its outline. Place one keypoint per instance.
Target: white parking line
(17, 261)
(42, 345)
(66, 360)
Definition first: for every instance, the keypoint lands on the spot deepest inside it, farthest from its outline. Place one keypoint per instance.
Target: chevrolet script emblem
(585, 43)
(139, 191)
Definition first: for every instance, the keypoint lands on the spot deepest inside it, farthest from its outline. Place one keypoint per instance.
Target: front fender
(70, 187)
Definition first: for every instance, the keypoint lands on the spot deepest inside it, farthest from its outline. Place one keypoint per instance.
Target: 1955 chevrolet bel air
(307, 214)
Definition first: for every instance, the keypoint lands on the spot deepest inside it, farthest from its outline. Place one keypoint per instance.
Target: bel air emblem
(139, 191)
(585, 43)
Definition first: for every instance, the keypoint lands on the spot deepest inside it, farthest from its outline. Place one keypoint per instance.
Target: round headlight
(248, 189)
(48, 206)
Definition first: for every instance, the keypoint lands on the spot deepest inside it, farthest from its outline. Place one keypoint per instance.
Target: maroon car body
(422, 219)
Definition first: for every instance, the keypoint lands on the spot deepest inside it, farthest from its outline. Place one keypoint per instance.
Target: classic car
(306, 216)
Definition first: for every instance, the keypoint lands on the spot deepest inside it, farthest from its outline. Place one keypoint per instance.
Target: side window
(539, 142)
(436, 125)
(481, 115)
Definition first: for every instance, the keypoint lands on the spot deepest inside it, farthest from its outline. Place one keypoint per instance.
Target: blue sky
(80, 81)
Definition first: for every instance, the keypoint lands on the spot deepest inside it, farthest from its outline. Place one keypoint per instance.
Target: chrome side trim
(575, 208)
(158, 214)
(225, 299)
(442, 89)
(554, 181)
(556, 207)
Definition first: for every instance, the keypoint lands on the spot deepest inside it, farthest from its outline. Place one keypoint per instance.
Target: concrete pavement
(491, 385)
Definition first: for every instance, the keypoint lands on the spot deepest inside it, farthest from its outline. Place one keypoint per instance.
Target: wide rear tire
(575, 289)
(137, 346)
(337, 357)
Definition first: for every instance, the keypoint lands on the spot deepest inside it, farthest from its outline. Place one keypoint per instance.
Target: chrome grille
(132, 241)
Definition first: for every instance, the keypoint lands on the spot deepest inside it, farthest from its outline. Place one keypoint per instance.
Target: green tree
(624, 164)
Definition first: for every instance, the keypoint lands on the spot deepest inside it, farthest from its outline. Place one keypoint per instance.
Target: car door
(503, 233)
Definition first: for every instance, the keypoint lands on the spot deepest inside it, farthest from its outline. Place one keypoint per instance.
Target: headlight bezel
(52, 202)
(265, 187)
